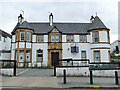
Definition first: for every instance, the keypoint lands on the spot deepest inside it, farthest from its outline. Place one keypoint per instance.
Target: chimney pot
(51, 19)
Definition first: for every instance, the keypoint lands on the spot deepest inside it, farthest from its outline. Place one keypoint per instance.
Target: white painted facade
(5, 46)
(99, 50)
(66, 48)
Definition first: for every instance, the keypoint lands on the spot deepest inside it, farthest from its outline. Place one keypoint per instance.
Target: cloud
(79, 11)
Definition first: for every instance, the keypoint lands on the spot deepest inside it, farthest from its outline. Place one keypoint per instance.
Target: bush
(115, 57)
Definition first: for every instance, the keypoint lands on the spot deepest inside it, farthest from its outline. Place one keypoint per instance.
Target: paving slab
(85, 82)
(31, 82)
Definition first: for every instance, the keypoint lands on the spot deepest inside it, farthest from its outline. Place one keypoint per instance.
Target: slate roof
(67, 28)
(97, 24)
(5, 34)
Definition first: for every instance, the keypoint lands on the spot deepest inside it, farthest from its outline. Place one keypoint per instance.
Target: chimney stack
(51, 19)
(92, 19)
(20, 19)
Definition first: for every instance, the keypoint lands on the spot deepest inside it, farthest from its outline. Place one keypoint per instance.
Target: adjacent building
(5, 45)
(115, 48)
(36, 42)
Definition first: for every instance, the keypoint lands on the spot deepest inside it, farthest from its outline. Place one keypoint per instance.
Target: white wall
(34, 38)
(84, 71)
(103, 36)
(21, 44)
(5, 46)
(63, 38)
(42, 46)
(82, 46)
(104, 55)
(45, 38)
(76, 38)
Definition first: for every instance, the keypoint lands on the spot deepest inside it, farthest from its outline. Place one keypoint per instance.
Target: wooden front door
(54, 56)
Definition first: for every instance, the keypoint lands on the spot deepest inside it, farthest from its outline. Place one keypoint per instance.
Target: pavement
(32, 79)
(31, 82)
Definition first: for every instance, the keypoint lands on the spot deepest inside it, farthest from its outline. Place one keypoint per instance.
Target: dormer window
(95, 37)
(22, 36)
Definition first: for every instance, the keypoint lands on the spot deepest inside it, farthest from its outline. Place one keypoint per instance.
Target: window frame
(72, 38)
(41, 38)
(52, 38)
(16, 36)
(27, 54)
(108, 36)
(82, 37)
(82, 56)
(99, 55)
(37, 38)
(37, 55)
(28, 36)
(68, 38)
(56, 38)
(109, 56)
(94, 37)
(21, 54)
(21, 34)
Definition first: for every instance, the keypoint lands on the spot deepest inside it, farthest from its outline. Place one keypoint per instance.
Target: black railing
(103, 66)
(65, 63)
(72, 63)
(9, 64)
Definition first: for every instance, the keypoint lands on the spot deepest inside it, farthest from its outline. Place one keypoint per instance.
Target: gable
(54, 30)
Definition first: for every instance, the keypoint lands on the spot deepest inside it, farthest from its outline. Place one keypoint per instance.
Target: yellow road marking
(96, 86)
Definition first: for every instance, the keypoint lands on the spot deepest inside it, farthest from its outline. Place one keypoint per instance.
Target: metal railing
(9, 64)
(103, 66)
(66, 63)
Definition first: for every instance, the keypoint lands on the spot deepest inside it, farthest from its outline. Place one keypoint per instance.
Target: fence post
(55, 68)
(64, 72)
(14, 68)
(116, 78)
(91, 77)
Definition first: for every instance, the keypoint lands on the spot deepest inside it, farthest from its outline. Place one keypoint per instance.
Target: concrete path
(35, 72)
(31, 82)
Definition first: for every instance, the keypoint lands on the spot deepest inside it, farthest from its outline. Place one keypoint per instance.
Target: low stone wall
(104, 73)
(84, 71)
(6, 71)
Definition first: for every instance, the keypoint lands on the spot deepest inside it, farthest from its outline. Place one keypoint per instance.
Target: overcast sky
(63, 11)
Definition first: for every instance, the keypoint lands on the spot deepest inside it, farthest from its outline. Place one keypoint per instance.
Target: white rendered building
(5, 45)
(34, 42)
(115, 48)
